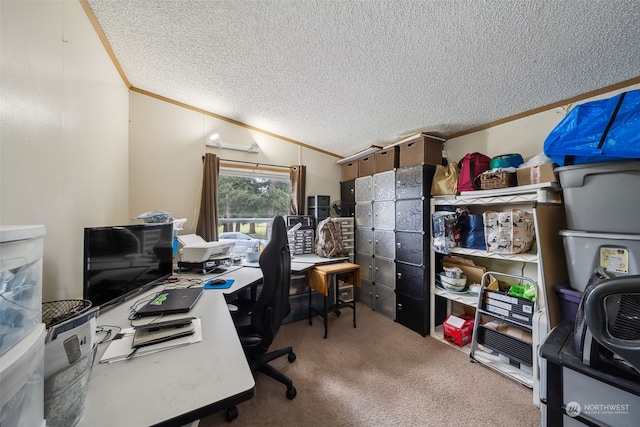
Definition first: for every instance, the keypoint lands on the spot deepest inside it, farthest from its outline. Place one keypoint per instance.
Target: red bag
(471, 167)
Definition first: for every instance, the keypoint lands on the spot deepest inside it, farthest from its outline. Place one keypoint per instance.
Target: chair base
(262, 364)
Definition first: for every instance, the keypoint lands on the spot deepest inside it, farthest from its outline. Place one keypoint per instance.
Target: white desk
(176, 386)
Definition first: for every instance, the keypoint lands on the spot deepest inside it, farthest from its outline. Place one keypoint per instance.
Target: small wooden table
(322, 277)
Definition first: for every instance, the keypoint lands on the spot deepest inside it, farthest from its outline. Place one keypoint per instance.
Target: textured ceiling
(343, 75)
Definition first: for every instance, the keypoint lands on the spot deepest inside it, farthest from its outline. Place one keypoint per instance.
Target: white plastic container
(602, 197)
(20, 282)
(22, 382)
(617, 253)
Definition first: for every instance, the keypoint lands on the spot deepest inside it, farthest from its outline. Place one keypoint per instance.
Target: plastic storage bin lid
(13, 233)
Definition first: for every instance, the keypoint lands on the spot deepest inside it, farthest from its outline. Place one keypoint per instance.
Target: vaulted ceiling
(342, 75)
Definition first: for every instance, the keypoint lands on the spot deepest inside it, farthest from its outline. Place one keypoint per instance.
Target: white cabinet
(544, 265)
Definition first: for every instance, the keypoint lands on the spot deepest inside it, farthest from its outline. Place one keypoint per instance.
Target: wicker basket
(501, 179)
(55, 312)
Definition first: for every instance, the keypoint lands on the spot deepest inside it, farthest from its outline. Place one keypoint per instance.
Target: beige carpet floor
(380, 374)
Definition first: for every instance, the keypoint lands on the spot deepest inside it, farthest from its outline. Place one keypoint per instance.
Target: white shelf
(525, 257)
(468, 299)
(525, 197)
(545, 192)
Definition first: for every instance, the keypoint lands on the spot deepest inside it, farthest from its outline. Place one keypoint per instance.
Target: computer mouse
(218, 281)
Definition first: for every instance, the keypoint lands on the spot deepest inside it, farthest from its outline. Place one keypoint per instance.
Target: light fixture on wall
(214, 141)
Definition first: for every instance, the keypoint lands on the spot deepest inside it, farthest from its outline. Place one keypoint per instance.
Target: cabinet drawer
(345, 293)
(507, 307)
(509, 346)
(318, 201)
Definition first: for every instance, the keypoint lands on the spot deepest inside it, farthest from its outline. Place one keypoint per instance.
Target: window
(247, 202)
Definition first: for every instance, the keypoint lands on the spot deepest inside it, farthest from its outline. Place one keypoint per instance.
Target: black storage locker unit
(412, 236)
(318, 207)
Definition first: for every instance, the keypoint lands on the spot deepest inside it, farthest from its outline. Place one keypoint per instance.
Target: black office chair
(258, 327)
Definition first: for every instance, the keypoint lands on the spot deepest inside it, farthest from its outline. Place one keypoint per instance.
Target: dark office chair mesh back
(272, 305)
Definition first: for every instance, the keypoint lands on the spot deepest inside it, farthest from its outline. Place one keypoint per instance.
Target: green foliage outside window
(250, 198)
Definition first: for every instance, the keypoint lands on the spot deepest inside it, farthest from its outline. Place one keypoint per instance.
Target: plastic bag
(597, 131)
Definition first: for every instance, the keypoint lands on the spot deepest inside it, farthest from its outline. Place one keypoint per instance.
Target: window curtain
(296, 198)
(208, 218)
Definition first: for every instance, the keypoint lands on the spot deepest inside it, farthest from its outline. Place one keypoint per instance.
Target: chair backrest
(272, 305)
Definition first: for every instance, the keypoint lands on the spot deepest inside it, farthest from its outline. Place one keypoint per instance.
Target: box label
(615, 260)
(535, 174)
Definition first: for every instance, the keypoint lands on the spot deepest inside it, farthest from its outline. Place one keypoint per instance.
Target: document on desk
(121, 347)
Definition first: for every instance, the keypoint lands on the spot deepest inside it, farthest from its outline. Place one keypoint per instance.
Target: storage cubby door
(364, 241)
(385, 301)
(364, 214)
(410, 280)
(413, 313)
(348, 191)
(412, 247)
(364, 189)
(366, 266)
(366, 295)
(384, 272)
(384, 243)
(409, 183)
(410, 215)
(384, 215)
(384, 186)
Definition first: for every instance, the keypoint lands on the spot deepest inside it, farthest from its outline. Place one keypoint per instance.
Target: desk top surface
(180, 382)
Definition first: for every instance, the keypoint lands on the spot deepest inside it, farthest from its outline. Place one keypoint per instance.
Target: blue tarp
(598, 131)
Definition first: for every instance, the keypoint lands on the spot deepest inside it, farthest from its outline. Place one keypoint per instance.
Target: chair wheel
(232, 413)
(291, 358)
(291, 393)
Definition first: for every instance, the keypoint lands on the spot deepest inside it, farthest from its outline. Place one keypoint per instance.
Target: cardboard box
(366, 166)
(350, 170)
(386, 160)
(458, 329)
(420, 150)
(536, 174)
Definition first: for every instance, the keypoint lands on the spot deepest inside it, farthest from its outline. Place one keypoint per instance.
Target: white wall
(167, 143)
(64, 136)
(524, 136)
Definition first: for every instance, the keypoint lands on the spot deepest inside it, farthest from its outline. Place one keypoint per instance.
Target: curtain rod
(256, 164)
